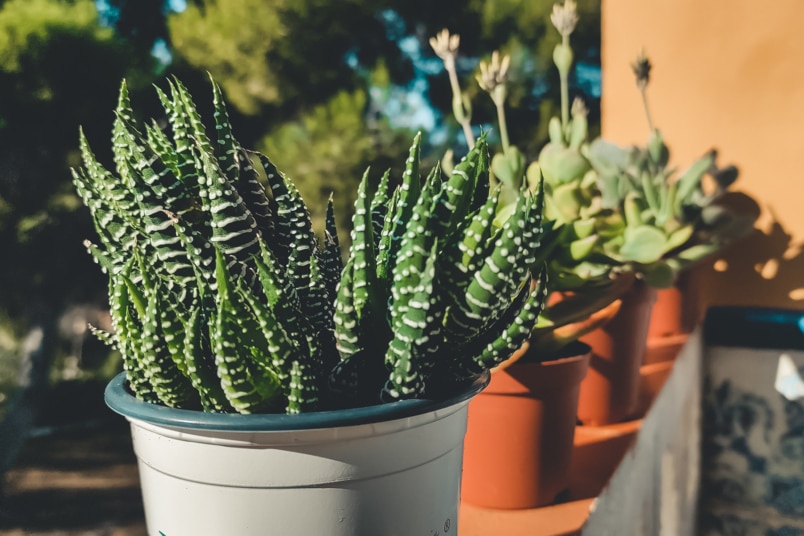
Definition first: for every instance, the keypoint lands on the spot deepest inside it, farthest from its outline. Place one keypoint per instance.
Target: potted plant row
(618, 226)
(269, 385)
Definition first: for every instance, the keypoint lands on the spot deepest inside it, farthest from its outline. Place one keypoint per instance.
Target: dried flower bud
(641, 69)
(579, 108)
(494, 73)
(445, 45)
(565, 17)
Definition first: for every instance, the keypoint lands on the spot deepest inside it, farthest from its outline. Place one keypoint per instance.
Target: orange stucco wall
(727, 74)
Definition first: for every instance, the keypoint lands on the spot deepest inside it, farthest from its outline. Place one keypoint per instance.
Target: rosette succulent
(223, 299)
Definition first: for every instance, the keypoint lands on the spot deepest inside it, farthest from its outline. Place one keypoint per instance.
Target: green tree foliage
(58, 68)
(270, 53)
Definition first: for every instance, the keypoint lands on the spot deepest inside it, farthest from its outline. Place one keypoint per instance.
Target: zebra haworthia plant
(222, 298)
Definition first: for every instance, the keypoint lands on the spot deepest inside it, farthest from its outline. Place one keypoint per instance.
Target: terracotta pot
(610, 391)
(520, 434)
(661, 349)
(675, 310)
(652, 379)
(598, 452)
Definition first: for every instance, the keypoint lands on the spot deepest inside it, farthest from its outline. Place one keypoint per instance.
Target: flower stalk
(641, 68)
(446, 47)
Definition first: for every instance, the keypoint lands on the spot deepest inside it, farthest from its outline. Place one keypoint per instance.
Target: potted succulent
(520, 436)
(626, 213)
(268, 385)
(670, 222)
(602, 270)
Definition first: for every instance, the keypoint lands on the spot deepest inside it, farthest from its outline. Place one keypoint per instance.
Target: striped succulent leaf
(293, 228)
(113, 206)
(184, 102)
(226, 147)
(347, 327)
(331, 261)
(384, 261)
(127, 332)
(167, 380)
(497, 280)
(187, 160)
(459, 190)
(409, 193)
(248, 382)
(462, 258)
(417, 337)
(201, 368)
(415, 249)
(514, 328)
(380, 205)
(160, 144)
(366, 298)
(255, 196)
(234, 230)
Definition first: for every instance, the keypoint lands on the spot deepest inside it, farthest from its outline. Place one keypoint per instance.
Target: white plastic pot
(391, 469)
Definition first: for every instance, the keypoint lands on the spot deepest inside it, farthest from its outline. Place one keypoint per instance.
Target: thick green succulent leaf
(249, 385)
(697, 252)
(561, 165)
(581, 249)
(409, 193)
(172, 387)
(690, 179)
(679, 237)
(331, 261)
(380, 204)
(633, 205)
(509, 168)
(201, 368)
(567, 201)
(416, 243)
(416, 339)
(254, 195)
(517, 325)
(643, 244)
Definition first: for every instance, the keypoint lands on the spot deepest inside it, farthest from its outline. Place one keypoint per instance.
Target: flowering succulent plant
(609, 211)
(223, 299)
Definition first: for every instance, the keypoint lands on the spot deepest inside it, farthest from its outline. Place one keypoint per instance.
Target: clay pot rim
(524, 378)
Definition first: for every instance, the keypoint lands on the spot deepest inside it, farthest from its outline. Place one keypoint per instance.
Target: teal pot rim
(120, 400)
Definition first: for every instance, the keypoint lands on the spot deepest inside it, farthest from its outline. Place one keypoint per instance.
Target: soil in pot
(519, 439)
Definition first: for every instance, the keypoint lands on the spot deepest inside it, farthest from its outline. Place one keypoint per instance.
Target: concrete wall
(727, 74)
